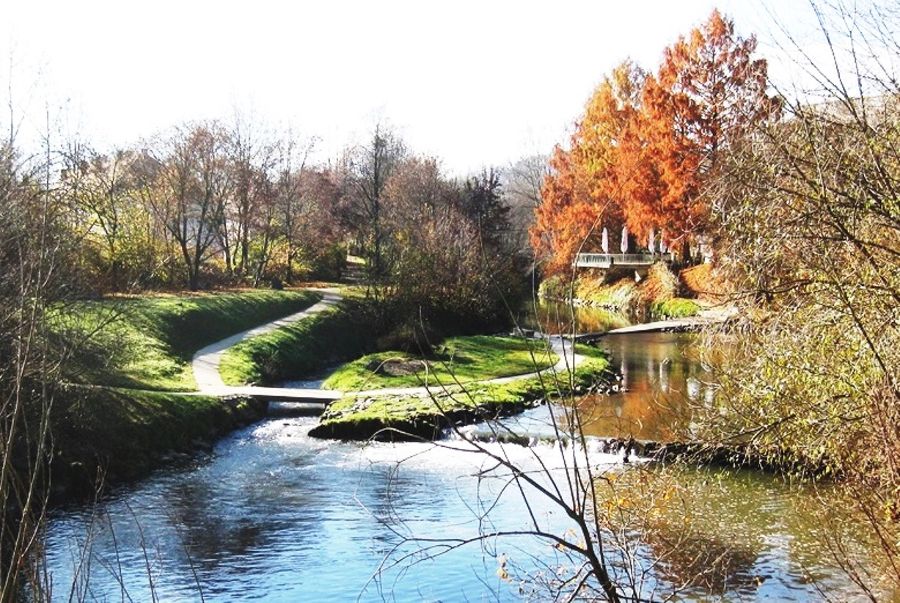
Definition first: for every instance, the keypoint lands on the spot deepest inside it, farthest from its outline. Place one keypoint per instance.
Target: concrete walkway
(209, 382)
(661, 325)
(207, 360)
(705, 317)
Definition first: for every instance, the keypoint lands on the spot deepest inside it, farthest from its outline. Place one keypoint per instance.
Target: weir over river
(272, 514)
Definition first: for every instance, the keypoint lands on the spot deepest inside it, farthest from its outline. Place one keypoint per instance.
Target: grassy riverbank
(659, 294)
(458, 359)
(148, 342)
(123, 433)
(126, 409)
(424, 416)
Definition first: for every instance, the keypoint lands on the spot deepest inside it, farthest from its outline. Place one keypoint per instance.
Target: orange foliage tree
(708, 93)
(579, 196)
(646, 145)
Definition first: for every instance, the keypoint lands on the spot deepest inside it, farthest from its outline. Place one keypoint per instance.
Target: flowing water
(277, 516)
(274, 515)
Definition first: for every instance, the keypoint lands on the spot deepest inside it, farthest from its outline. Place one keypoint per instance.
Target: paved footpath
(207, 360)
(705, 317)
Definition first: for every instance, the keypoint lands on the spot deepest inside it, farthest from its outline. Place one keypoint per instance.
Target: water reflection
(741, 535)
(558, 317)
(278, 516)
(660, 373)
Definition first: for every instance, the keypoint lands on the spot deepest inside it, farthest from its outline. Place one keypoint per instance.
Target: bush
(677, 307)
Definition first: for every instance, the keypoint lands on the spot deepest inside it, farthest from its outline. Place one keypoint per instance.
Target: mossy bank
(426, 414)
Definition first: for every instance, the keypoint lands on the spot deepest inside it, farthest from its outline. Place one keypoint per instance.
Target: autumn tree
(249, 155)
(444, 250)
(483, 203)
(809, 226)
(188, 187)
(580, 195)
(709, 92)
(647, 145)
(370, 167)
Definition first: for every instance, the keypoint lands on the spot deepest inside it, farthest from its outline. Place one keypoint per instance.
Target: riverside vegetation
(656, 295)
(450, 398)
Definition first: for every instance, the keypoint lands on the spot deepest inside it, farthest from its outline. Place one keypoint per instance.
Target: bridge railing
(608, 260)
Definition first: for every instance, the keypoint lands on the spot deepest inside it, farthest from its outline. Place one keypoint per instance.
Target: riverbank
(655, 294)
(469, 379)
(109, 435)
(127, 405)
(148, 342)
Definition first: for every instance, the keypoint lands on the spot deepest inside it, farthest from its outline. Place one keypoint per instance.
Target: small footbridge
(277, 394)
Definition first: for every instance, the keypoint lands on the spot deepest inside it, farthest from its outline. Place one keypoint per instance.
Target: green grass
(676, 307)
(148, 342)
(370, 414)
(462, 359)
(126, 431)
(302, 348)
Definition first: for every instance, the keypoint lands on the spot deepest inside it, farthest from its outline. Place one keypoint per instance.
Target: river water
(274, 515)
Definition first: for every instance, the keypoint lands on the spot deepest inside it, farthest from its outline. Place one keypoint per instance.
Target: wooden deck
(619, 260)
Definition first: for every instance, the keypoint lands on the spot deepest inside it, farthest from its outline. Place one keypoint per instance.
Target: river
(274, 515)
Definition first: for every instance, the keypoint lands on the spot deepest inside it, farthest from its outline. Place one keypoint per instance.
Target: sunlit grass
(299, 349)
(676, 307)
(148, 342)
(373, 412)
(462, 359)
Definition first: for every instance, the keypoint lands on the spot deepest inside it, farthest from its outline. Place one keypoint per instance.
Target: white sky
(474, 83)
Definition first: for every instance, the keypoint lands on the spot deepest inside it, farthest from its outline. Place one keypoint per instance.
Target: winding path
(209, 382)
(207, 360)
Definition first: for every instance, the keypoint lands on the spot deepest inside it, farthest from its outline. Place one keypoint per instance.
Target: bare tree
(291, 202)
(35, 277)
(370, 169)
(251, 156)
(522, 182)
(102, 197)
(188, 190)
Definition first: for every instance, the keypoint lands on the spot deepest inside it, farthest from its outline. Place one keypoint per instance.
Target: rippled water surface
(276, 515)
